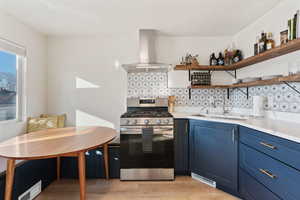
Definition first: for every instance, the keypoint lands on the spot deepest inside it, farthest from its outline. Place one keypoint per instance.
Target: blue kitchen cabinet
(251, 189)
(181, 146)
(269, 168)
(94, 164)
(114, 161)
(214, 153)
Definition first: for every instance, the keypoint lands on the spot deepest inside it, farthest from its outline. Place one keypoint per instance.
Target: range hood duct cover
(147, 55)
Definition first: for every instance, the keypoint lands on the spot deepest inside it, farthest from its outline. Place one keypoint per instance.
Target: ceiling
(172, 17)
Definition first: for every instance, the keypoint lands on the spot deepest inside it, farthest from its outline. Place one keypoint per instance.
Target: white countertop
(283, 129)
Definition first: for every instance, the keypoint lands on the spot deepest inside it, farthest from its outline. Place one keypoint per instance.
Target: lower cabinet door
(99, 163)
(114, 162)
(214, 153)
(94, 165)
(250, 189)
(90, 165)
(69, 167)
(181, 146)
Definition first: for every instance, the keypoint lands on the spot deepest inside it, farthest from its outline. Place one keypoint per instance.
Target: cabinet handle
(267, 145)
(186, 128)
(233, 135)
(266, 172)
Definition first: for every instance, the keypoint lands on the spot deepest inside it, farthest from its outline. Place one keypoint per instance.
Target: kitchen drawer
(250, 189)
(275, 175)
(281, 149)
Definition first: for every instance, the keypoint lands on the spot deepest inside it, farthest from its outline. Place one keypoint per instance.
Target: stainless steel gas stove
(147, 140)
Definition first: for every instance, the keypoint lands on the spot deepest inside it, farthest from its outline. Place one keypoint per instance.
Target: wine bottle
(237, 56)
(290, 29)
(221, 59)
(295, 27)
(213, 60)
(256, 46)
(262, 43)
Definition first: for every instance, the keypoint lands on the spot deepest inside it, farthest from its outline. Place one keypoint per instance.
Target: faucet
(214, 102)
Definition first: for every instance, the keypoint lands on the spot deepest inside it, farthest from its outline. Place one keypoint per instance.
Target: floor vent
(204, 180)
(32, 192)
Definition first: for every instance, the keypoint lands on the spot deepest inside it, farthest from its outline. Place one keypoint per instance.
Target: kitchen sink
(223, 116)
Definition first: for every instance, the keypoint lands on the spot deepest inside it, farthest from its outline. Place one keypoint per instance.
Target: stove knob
(167, 121)
(127, 121)
(135, 121)
(146, 121)
(158, 121)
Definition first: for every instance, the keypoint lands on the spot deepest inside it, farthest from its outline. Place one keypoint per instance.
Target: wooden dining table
(52, 143)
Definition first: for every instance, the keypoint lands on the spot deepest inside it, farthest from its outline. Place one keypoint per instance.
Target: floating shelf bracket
(231, 74)
(290, 86)
(239, 89)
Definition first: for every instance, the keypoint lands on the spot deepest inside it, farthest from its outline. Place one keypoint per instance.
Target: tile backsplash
(283, 98)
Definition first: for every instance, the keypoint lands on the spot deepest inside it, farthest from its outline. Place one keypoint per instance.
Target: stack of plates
(247, 80)
(270, 77)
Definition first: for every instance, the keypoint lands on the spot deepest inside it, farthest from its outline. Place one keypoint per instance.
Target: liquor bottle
(298, 24)
(256, 46)
(295, 27)
(237, 56)
(221, 59)
(226, 57)
(270, 41)
(213, 60)
(262, 43)
(290, 29)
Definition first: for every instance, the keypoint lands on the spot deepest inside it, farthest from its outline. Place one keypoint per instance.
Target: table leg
(106, 164)
(81, 168)
(10, 172)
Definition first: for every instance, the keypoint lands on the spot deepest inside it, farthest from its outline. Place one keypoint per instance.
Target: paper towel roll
(258, 106)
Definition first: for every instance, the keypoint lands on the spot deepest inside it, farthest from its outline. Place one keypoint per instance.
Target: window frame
(20, 53)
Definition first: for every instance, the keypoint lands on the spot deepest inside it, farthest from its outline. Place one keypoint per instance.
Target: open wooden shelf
(274, 81)
(202, 67)
(290, 47)
(208, 86)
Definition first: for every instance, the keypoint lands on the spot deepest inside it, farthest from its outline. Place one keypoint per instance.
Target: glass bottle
(221, 59)
(256, 46)
(270, 41)
(262, 43)
(213, 60)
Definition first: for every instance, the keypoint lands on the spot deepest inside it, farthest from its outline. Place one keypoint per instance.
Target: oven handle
(157, 131)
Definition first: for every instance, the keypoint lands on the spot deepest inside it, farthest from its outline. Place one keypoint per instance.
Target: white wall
(84, 81)
(274, 21)
(91, 60)
(36, 87)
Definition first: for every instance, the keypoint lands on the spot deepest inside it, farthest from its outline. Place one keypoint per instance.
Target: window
(11, 81)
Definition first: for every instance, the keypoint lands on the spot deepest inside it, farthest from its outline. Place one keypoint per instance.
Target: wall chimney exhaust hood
(147, 55)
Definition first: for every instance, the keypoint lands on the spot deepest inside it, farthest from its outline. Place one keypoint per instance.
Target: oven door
(147, 147)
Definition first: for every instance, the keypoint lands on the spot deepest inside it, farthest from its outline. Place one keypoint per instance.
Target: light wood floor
(183, 188)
